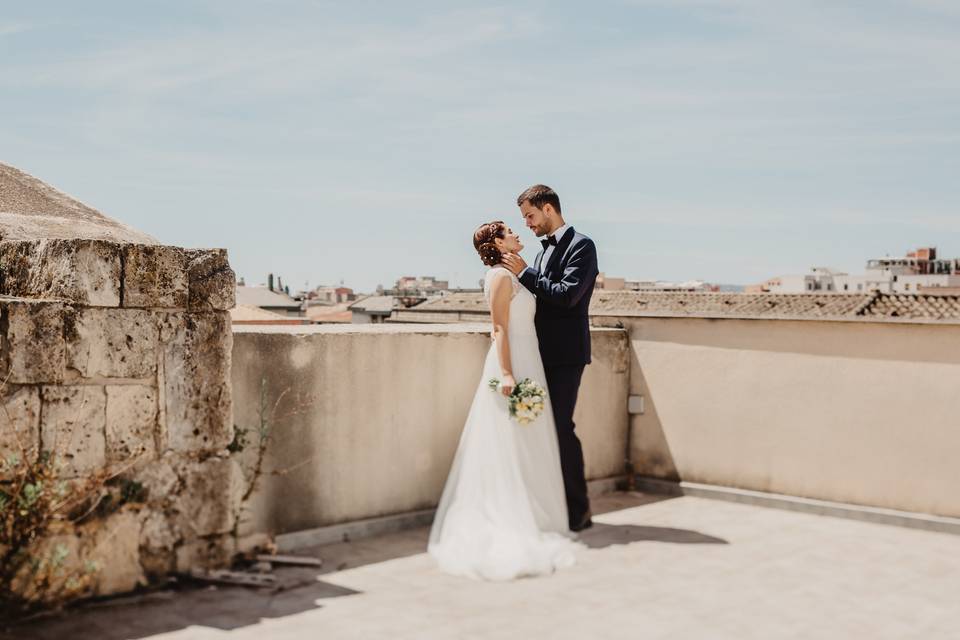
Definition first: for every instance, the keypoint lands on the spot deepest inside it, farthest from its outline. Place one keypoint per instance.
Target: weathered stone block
(157, 543)
(210, 499)
(72, 427)
(213, 284)
(155, 277)
(116, 552)
(209, 553)
(19, 425)
(81, 271)
(255, 543)
(131, 422)
(157, 533)
(196, 380)
(59, 569)
(111, 343)
(158, 479)
(34, 345)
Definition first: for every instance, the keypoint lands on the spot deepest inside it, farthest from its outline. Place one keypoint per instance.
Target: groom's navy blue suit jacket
(563, 294)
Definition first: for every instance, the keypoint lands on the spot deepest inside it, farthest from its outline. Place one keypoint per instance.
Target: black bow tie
(549, 240)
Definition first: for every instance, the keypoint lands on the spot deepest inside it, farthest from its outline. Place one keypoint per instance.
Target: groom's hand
(514, 262)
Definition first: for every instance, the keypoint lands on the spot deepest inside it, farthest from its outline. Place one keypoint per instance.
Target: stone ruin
(115, 351)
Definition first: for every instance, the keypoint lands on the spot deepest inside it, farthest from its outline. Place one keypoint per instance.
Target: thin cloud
(13, 28)
(790, 126)
(274, 57)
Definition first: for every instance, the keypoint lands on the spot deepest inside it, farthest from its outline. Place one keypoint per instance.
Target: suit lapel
(536, 263)
(558, 251)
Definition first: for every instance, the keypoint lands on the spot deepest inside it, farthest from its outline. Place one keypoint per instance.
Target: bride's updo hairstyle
(483, 241)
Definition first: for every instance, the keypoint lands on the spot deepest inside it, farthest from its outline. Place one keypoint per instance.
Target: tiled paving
(674, 568)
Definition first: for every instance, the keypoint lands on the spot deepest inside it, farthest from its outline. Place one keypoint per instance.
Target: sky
(360, 141)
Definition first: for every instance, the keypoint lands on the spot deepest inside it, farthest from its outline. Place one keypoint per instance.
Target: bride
(503, 513)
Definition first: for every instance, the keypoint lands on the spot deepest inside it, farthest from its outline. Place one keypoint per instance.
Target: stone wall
(116, 358)
(363, 420)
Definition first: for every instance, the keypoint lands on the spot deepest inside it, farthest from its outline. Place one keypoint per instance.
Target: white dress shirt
(558, 234)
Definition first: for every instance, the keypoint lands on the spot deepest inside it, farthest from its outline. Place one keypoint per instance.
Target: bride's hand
(507, 384)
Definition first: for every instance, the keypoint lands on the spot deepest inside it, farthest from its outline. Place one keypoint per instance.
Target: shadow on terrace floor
(299, 589)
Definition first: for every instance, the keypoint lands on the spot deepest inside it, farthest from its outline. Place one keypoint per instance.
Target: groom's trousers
(563, 383)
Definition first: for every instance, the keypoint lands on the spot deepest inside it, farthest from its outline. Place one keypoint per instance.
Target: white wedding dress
(503, 513)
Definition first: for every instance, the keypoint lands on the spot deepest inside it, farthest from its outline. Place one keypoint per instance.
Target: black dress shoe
(585, 523)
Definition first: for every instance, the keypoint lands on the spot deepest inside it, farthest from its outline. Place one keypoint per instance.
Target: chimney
(270, 281)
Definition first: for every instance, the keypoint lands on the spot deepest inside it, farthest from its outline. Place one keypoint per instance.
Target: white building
(665, 286)
(423, 284)
(919, 270)
(819, 280)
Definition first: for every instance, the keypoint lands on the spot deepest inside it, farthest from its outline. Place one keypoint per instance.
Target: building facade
(918, 271)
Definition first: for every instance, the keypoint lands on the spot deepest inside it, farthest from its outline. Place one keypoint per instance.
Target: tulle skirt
(503, 513)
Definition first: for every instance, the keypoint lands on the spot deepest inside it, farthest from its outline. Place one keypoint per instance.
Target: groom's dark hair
(539, 195)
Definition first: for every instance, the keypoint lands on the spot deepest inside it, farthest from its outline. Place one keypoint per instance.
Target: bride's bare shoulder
(498, 277)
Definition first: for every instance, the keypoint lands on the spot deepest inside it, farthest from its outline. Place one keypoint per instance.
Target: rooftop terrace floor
(654, 568)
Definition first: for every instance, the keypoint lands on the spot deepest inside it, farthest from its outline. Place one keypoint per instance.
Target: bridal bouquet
(526, 400)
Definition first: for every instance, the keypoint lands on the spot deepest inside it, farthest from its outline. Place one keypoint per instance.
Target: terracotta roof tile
(835, 306)
(914, 307)
(770, 305)
(453, 302)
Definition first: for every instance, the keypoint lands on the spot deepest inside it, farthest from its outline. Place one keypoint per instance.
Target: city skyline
(812, 269)
(696, 139)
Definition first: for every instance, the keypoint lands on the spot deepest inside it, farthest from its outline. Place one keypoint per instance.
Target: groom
(562, 279)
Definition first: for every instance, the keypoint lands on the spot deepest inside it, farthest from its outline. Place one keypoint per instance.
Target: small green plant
(240, 440)
(255, 440)
(132, 491)
(116, 493)
(33, 503)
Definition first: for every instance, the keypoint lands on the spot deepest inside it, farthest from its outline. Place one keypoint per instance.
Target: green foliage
(118, 492)
(132, 491)
(240, 440)
(33, 502)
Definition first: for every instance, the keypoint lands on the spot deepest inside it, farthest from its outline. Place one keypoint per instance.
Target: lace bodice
(523, 305)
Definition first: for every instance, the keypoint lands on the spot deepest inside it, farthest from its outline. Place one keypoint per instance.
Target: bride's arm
(501, 292)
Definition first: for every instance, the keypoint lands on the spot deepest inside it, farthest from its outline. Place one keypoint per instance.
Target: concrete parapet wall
(363, 421)
(854, 412)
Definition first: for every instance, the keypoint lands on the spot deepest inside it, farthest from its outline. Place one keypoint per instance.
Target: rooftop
(31, 209)
(801, 306)
(374, 304)
(925, 307)
(652, 568)
(249, 314)
(329, 313)
(454, 302)
(265, 298)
